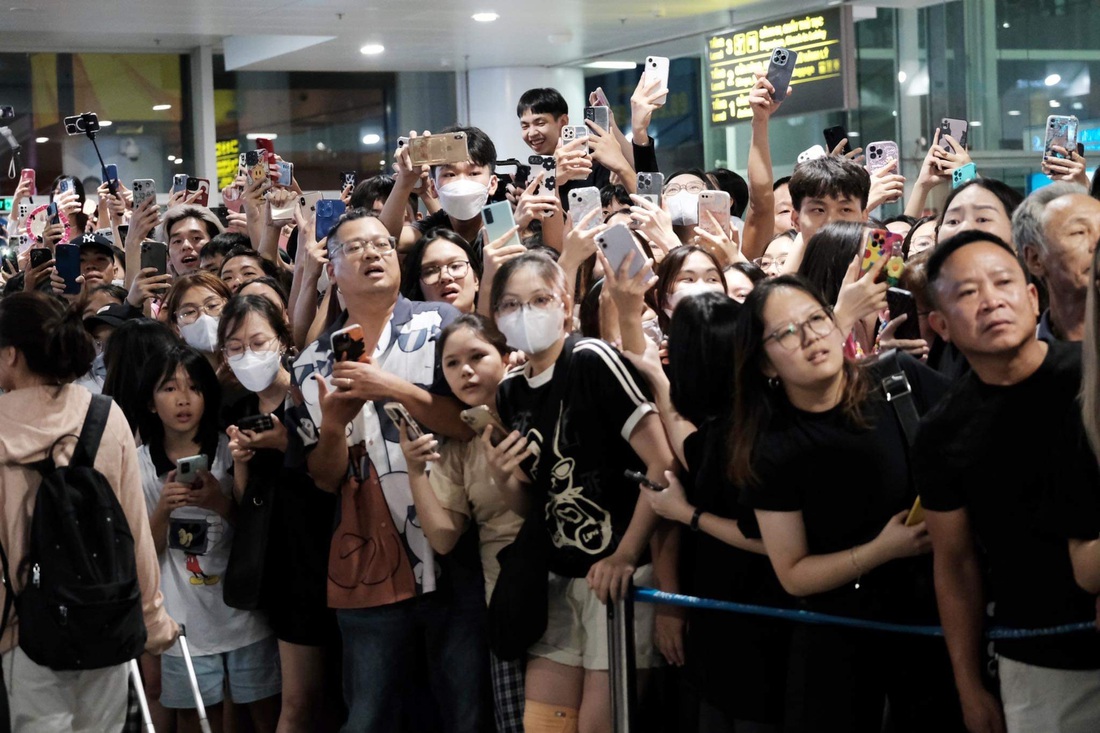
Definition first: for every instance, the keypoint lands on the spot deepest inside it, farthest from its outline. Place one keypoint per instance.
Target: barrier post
(620, 643)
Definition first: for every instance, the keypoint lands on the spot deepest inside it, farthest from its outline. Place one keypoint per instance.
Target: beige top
(31, 420)
(463, 484)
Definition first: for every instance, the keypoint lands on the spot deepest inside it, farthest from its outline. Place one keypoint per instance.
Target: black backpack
(81, 602)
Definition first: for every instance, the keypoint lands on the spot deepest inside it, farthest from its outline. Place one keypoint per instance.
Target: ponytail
(52, 338)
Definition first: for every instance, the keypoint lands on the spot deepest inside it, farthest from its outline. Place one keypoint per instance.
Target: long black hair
(701, 355)
(51, 338)
(161, 368)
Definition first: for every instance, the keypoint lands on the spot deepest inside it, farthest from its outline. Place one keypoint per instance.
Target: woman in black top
(823, 461)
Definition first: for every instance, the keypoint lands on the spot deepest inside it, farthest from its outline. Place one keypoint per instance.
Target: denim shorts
(253, 673)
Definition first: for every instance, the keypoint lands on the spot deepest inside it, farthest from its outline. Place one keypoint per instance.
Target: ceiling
(418, 35)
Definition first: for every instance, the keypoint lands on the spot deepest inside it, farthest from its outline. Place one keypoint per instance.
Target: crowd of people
(380, 471)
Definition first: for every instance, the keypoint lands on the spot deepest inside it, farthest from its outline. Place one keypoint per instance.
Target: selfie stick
(16, 151)
(102, 165)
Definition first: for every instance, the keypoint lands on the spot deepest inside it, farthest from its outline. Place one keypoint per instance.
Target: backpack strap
(95, 423)
(899, 394)
(547, 422)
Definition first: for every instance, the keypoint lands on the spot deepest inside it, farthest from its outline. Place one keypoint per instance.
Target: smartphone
(901, 302)
(479, 417)
(962, 174)
(780, 70)
(879, 244)
(397, 414)
(880, 153)
(231, 198)
(811, 153)
(498, 220)
(155, 254)
(450, 147)
(348, 178)
(834, 136)
(582, 201)
(187, 469)
(916, 514)
(27, 174)
(40, 256)
(202, 186)
(617, 242)
(547, 164)
(656, 67)
(601, 98)
(143, 188)
(1061, 131)
(82, 124)
(256, 423)
(66, 185)
(348, 344)
(67, 265)
(53, 215)
(600, 115)
(255, 162)
(641, 478)
(242, 165)
(957, 129)
(569, 133)
(266, 145)
(22, 240)
(329, 212)
(650, 186)
(286, 173)
(9, 256)
(179, 183)
(308, 203)
(717, 205)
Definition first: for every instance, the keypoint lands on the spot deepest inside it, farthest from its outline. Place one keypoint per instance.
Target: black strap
(9, 601)
(547, 423)
(900, 394)
(95, 424)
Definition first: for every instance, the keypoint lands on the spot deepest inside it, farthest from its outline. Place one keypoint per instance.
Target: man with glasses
(391, 594)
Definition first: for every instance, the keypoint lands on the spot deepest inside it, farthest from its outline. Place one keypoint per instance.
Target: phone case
(348, 178)
(717, 204)
(329, 212)
(957, 129)
(40, 256)
(961, 175)
(1061, 131)
(780, 70)
(450, 147)
(811, 153)
(901, 302)
(27, 174)
(143, 188)
(879, 243)
(308, 202)
(650, 186)
(65, 184)
(24, 210)
(348, 344)
(202, 186)
(880, 153)
(286, 173)
(187, 469)
(547, 164)
(179, 182)
(242, 165)
(833, 137)
(599, 115)
(256, 423)
(256, 164)
(498, 219)
(657, 67)
(231, 198)
(266, 145)
(601, 98)
(479, 417)
(581, 202)
(155, 254)
(617, 242)
(397, 414)
(569, 133)
(67, 264)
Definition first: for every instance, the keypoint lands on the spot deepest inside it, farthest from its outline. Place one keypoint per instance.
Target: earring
(773, 382)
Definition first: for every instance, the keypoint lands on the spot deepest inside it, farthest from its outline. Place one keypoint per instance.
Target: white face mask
(463, 199)
(687, 289)
(531, 330)
(119, 283)
(683, 208)
(255, 370)
(202, 334)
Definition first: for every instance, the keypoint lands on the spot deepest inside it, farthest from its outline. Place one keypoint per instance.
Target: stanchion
(620, 643)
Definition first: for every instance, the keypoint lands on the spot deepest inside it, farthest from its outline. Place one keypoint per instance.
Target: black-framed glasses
(456, 270)
(820, 323)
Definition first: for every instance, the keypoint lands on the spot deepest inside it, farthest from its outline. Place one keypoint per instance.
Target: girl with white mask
(193, 307)
(686, 271)
(680, 198)
(282, 519)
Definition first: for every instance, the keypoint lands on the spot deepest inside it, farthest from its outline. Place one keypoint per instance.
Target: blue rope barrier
(650, 595)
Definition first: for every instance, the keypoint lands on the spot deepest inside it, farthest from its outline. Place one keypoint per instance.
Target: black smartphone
(780, 71)
(833, 137)
(900, 302)
(9, 258)
(40, 256)
(642, 479)
(52, 214)
(155, 254)
(67, 258)
(256, 423)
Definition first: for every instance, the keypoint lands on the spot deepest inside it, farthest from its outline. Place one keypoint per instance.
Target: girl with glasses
(822, 459)
(193, 307)
(442, 268)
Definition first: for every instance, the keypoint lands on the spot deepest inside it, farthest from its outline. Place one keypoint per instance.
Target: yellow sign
(229, 152)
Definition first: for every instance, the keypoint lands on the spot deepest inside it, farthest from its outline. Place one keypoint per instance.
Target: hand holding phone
(188, 469)
(642, 479)
(780, 71)
(349, 344)
(397, 414)
(480, 417)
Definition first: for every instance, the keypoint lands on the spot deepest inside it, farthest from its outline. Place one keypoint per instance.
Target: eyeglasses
(456, 270)
(235, 349)
(767, 263)
(355, 247)
(543, 302)
(789, 337)
(190, 314)
(674, 188)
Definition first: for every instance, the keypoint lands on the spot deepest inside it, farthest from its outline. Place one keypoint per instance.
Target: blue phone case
(328, 212)
(67, 262)
(112, 172)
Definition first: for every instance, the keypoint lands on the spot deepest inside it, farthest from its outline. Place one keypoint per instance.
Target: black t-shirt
(590, 503)
(848, 481)
(1001, 453)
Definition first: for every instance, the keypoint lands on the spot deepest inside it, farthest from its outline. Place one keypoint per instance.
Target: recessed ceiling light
(1005, 25)
(611, 65)
(975, 123)
(172, 158)
(372, 139)
(41, 139)
(179, 161)
(321, 147)
(372, 49)
(105, 123)
(1014, 113)
(902, 76)
(1055, 103)
(1052, 79)
(1077, 105)
(161, 107)
(484, 17)
(265, 135)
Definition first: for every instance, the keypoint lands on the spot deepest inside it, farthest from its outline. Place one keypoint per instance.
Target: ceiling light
(1014, 113)
(105, 123)
(265, 135)
(611, 65)
(853, 134)
(484, 17)
(179, 161)
(161, 107)
(171, 157)
(975, 123)
(372, 139)
(1052, 79)
(902, 76)
(1005, 24)
(321, 147)
(1055, 103)
(1077, 105)
(41, 139)
(372, 49)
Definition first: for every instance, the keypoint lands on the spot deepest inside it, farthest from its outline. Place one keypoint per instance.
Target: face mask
(119, 283)
(683, 208)
(255, 370)
(202, 334)
(531, 330)
(689, 289)
(463, 198)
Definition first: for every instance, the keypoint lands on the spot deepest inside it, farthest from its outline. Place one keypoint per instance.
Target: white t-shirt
(192, 583)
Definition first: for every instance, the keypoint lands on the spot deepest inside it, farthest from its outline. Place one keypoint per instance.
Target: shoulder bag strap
(95, 423)
(899, 394)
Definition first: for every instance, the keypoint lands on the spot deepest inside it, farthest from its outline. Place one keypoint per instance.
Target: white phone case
(880, 153)
(617, 242)
(657, 66)
(581, 202)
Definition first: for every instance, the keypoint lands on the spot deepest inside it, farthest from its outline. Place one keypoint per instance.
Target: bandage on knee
(539, 717)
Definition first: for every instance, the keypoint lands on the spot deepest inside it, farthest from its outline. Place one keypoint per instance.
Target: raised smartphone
(479, 417)
(498, 220)
(155, 255)
(834, 136)
(616, 243)
(657, 67)
(958, 129)
(600, 116)
(450, 147)
(582, 201)
(1061, 131)
(780, 70)
(962, 174)
(348, 344)
(650, 186)
(143, 188)
(714, 212)
(880, 153)
(329, 212)
(27, 174)
(901, 302)
(202, 186)
(398, 415)
(67, 264)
